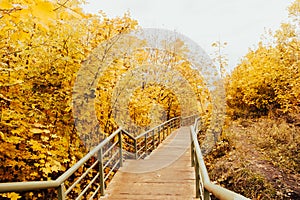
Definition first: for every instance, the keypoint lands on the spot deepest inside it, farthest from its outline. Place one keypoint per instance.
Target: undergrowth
(258, 159)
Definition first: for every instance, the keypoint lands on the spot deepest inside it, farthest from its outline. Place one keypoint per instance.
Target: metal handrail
(149, 140)
(148, 131)
(59, 182)
(203, 183)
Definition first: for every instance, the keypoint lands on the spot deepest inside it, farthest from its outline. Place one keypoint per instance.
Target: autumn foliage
(267, 81)
(258, 154)
(43, 44)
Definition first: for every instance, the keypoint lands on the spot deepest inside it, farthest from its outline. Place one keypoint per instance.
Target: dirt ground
(240, 164)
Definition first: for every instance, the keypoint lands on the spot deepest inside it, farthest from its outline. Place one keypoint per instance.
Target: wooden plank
(165, 174)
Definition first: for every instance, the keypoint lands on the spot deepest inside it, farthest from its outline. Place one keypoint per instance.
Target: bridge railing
(99, 152)
(149, 140)
(203, 184)
(104, 160)
(187, 121)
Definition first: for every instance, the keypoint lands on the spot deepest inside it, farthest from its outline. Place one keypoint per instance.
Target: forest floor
(258, 158)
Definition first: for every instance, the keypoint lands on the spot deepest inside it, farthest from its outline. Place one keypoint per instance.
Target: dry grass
(258, 158)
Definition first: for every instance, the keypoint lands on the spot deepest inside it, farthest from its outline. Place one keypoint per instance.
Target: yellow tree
(267, 80)
(42, 46)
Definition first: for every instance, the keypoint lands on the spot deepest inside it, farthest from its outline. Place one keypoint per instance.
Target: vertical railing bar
(101, 172)
(159, 136)
(146, 148)
(61, 192)
(120, 148)
(163, 132)
(166, 131)
(135, 149)
(197, 178)
(206, 194)
(153, 139)
(192, 154)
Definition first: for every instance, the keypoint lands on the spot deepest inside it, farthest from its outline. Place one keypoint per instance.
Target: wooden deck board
(165, 174)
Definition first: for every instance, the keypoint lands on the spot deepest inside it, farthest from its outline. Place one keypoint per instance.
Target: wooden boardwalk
(165, 174)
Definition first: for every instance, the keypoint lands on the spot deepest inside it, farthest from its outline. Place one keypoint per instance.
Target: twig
(5, 98)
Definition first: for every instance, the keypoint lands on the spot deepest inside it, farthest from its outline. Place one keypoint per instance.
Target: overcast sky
(240, 23)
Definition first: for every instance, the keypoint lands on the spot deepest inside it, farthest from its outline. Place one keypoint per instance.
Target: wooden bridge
(166, 174)
(165, 162)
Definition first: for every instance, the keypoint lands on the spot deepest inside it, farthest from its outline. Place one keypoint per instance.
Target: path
(165, 174)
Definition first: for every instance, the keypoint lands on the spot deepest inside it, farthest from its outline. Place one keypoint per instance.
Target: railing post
(120, 148)
(192, 154)
(61, 192)
(206, 194)
(197, 178)
(166, 130)
(153, 138)
(163, 132)
(159, 136)
(101, 172)
(146, 148)
(135, 149)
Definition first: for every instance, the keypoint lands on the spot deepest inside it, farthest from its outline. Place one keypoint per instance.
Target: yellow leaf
(43, 11)
(34, 174)
(14, 139)
(45, 138)
(1, 135)
(54, 136)
(54, 168)
(13, 196)
(5, 4)
(20, 36)
(46, 170)
(42, 155)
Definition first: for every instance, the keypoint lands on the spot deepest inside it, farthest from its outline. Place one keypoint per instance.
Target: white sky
(238, 22)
